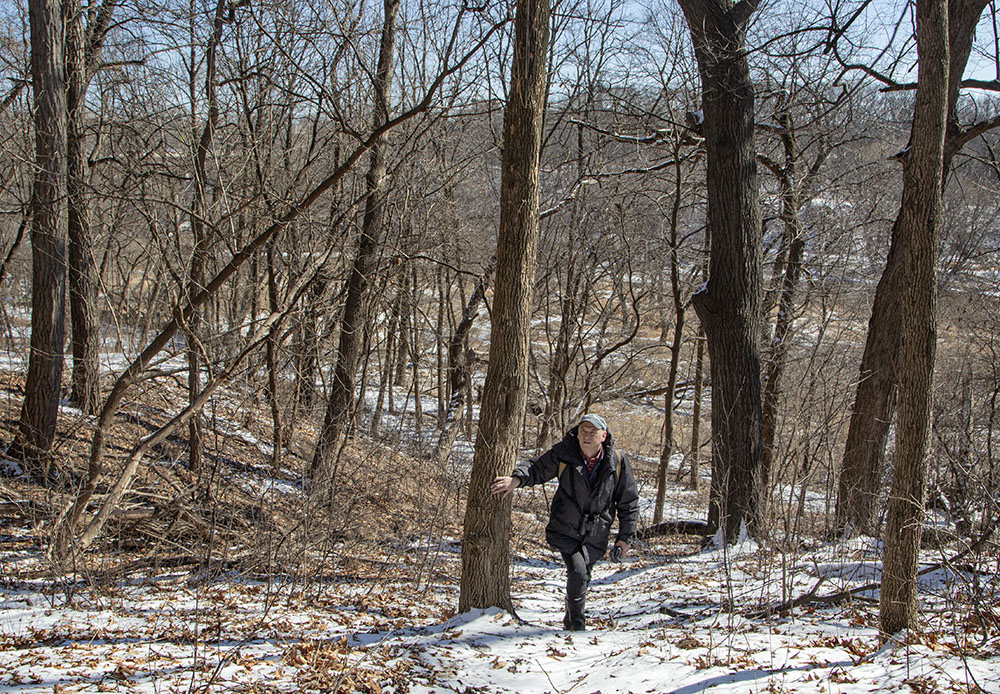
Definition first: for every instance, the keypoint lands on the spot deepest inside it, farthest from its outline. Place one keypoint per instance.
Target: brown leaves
(689, 642)
(335, 666)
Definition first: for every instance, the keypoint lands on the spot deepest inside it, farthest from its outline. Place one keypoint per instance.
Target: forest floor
(235, 581)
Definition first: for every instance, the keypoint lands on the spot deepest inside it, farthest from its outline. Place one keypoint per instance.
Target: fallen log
(674, 527)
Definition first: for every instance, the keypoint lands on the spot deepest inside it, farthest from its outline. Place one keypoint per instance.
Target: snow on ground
(681, 623)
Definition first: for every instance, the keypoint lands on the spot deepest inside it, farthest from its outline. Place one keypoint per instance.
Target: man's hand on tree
(504, 485)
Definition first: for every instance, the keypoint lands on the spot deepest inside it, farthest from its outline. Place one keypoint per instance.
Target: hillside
(237, 582)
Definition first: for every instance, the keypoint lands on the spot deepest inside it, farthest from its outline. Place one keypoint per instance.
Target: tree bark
(863, 463)
(40, 407)
(729, 305)
(340, 405)
(920, 215)
(85, 390)
(485, 549)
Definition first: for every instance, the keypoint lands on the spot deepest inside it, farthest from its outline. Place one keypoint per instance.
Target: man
(595, 484)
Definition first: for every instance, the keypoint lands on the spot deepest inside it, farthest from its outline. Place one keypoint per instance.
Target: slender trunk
(199, 230)
(340, 405)
(553, 417)
(675, 347)
(85, 390)
(699, 384)
(459, 369)
(414, 348)
(794, 244)
(439, 352)
(271, 358)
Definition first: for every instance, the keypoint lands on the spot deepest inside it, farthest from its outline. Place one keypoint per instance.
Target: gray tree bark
(485, 547)
(920, 215)
(39, 409)
(729, 305)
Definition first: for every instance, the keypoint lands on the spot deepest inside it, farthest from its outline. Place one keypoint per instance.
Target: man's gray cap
(595, 419)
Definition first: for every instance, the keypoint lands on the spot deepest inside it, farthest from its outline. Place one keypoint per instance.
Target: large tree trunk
(729, 306)
(863, 463)
(920, 215)
(37, 424)
(485, 547)
(340, 405)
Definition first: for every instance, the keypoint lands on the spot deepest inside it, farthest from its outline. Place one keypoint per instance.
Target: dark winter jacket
(582, 513)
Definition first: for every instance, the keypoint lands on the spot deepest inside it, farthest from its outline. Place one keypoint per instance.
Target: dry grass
(237, 513)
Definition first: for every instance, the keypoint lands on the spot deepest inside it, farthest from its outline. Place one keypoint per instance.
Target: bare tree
(459, 368)
(37, 423)
(84, 41)
(729, 305)
(920, 214)
(875, 400)
(485, 547)
(340, 404)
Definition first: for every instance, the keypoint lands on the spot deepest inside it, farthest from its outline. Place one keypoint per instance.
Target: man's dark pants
(578, 567)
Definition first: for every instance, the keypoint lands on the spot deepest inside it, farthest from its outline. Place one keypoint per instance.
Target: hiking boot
(575, 618)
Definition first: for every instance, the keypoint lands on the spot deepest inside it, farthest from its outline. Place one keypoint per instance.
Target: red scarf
(592, 462)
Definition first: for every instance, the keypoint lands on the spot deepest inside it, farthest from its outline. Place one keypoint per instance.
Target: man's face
(590, 438)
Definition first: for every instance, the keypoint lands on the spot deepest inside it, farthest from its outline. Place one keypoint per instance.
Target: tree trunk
(699, 385)
(794, 242)
(675, 347)
(85, 392)
(340, 405)
(37, 424)
(485, 548)
(920, 215)
(553, 418)
(413, 348)
(271, 359)
(729, 305)
(440, 374)
(863, 463)
(199, 230)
